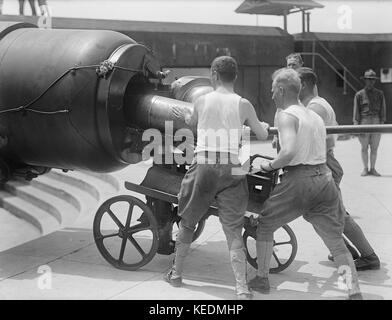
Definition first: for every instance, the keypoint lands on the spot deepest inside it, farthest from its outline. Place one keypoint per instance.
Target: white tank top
(331, 116)
(311, 136)
(219, 125)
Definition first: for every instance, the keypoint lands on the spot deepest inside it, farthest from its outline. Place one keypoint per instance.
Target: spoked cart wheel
(126, 232)
(284, 251)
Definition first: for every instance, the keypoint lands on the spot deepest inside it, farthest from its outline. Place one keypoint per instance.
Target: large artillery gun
(79, 99)
(82, 100)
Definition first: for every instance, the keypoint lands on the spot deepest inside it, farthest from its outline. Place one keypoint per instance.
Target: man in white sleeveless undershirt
(219, 116)
(306, 189)
(368, 259)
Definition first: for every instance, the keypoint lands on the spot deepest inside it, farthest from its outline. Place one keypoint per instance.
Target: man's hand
(355, 123)
(266, 166)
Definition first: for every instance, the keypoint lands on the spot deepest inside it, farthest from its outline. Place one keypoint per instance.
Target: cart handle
(255, 156)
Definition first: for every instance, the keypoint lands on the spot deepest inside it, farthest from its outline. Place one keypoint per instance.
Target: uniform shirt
(219, 124)
(331, 116)
(369, 102)
(311, 135)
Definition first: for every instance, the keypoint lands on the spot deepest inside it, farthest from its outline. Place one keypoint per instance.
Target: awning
(276, 7)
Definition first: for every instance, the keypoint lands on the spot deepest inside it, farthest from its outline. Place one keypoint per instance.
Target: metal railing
(338, 62)
(346, 71)
(343, 77)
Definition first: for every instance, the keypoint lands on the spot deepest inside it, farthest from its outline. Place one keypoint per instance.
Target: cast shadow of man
(290, 284)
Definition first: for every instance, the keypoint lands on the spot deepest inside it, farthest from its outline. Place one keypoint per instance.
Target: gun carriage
(133, 221)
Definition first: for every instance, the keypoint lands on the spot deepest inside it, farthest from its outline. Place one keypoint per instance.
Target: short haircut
(297, 57)
(226, 67)
(289, 79)
(276, 72)
(308, 76)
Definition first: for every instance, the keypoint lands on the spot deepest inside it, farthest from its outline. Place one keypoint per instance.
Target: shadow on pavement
(207, 263)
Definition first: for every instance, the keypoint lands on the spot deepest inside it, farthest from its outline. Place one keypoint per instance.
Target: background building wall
(259, 52)
(358, 53)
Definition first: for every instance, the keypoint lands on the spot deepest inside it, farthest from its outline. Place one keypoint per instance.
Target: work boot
(371, 262)
(373, 172)
(355, 296)
(174, 280)
(260, 284)
(365, 172)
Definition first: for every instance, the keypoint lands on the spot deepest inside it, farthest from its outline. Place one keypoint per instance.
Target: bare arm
(249, 118)
(276, 116)
(191, 118)
(188, 115)
(275, 140)
(324, 115)
(319, 110)
(288, 126)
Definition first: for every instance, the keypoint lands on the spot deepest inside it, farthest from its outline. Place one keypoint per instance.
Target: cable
(48, 112)
(107, 65)
(26, 107)
(11, 110)
(57, 80)
(128, 69)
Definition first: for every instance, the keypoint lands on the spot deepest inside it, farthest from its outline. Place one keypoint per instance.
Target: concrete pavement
(66, 264)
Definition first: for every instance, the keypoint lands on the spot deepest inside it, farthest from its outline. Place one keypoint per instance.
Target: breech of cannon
(153, 111)
(146, 109)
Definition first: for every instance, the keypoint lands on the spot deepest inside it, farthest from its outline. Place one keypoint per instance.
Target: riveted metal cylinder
(54, 109)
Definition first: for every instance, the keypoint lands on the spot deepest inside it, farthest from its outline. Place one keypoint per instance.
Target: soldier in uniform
(369, 108)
